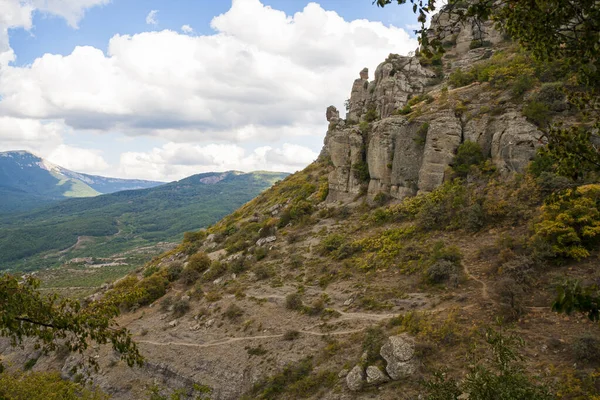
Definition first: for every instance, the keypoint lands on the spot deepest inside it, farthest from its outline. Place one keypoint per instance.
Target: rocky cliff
(403, 128)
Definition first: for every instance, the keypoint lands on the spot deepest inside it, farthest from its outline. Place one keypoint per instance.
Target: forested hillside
(128, 218)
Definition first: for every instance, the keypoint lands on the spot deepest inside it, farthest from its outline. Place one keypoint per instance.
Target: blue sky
(101, 88)
(52, 34)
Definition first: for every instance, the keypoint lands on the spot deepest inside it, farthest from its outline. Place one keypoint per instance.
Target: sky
(164, 89)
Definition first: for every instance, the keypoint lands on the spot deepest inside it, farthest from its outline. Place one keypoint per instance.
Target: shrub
(291, 335)
(217, 269)
(260, 253)
(571, 222)
(468, 154)
(174, 270)
(199, 262)
(371, 115)
(441, 271)
(586, 349)
(553, 96)
(263, 271)
(478, 43)
(510, 294)
(152, 288)
(361, 171)
(460, 78)
(421, 136)
(381, 199)
(233, 312)
(419, 98)
(180, 308)
(293, 301)
(189, 276)
(537, 112)
(331, 243)
(499, 375)
(372, 341)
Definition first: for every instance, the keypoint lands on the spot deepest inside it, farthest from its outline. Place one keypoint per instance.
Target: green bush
(294, 381)
(331, 243)
(152, 288)
(373, 339)
(538, 113)
(361, 171)
(189, 275)
(468, 154)
(586, 349)
(571, 222)
(553, 96)
(233, 312)
(180, 307)
(371, 115)
(199, 262)
(293, 301)
(44, 385)
(441, 271)
(421, 136)
(174, 270)
(217, 269)
(476, 44)
(263, 271)
(497, 374)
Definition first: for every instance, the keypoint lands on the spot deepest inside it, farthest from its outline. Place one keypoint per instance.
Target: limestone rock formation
(399, 351)
(375, 376)
(378, 150)
(355, 379)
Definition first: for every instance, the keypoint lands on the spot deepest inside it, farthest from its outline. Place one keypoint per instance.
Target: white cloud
(151, 17)
(187, 29)
(18, 14)
(174, 161)
(78, 159)
(31, 135)
(257, 85)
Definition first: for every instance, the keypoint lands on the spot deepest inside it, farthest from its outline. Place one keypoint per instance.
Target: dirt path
(484, 286)
(244, 338)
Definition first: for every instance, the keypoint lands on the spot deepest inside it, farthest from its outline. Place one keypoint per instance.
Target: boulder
(375, 376)
(265, 240)
(399, 351)
(355, 379)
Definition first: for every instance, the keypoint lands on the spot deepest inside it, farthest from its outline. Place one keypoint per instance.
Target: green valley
(114, 224)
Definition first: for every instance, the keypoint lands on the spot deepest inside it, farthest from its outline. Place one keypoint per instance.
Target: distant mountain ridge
(28, 181)
(126, 219)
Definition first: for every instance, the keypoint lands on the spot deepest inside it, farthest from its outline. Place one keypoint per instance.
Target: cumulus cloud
(187, 29)
(31, 135)
(151, 17)
(78, 159)
(174, 161)
(264, 83)
(18, 14)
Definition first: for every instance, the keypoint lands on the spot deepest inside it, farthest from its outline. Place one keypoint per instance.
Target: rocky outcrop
(378, 150)
(375, 376)
(396, 79)
(399, 352)
(355, 379)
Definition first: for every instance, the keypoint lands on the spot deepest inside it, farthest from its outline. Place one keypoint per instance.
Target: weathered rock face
(396, 79)
(398, 352)
(355, 379)
(405, 156)
(468, 42)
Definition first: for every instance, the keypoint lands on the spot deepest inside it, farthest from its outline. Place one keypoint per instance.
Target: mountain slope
(418, 248)
(28, 181)
(133, 217)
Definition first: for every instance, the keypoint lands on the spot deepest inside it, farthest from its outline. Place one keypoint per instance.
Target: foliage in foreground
(52, 321)
(44, 386)
(499, 375)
